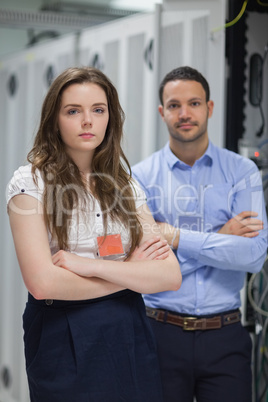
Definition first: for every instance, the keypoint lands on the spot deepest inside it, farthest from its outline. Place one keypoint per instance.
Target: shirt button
(22, 190)
(98, 214)
(200, 283)
(49, 302)
(197, 310)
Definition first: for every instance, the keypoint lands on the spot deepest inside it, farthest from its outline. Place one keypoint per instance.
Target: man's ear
(161, 111)
(210, 107)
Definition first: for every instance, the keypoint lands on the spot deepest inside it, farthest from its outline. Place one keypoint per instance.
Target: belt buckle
(186, 321)
(152, 313)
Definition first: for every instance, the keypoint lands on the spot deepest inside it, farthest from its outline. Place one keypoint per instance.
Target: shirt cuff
(191, 243)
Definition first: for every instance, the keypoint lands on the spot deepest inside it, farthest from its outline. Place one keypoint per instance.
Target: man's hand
(243, 224)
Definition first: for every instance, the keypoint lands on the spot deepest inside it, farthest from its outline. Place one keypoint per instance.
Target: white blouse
(86, 224)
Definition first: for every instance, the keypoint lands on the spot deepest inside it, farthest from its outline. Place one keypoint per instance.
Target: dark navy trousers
(210, 365)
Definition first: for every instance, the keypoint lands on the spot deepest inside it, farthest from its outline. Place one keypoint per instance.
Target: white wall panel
(24, 79)
(14, 82)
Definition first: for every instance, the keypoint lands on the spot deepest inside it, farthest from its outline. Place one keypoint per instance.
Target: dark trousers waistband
(69, 303)
(194, 323)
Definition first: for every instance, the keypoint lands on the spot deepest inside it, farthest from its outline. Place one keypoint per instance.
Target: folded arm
(241, 244)
(42, 278)
(45, 279)
(144, 275)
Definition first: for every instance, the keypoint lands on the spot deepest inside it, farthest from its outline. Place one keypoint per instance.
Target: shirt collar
(172, 159)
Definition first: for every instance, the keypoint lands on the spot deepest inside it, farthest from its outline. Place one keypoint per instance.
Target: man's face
(185, 110)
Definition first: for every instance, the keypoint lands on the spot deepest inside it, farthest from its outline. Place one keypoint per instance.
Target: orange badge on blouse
(110, 245)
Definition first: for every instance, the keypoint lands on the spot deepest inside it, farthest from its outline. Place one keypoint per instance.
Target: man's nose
(184, 111)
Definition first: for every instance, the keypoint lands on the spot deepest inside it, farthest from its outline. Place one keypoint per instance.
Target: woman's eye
(99, 110)
(72, 111)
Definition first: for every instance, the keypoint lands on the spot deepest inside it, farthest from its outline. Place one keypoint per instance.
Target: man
(203, 197)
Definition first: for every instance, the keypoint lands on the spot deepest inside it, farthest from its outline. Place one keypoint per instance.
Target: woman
(87, 247)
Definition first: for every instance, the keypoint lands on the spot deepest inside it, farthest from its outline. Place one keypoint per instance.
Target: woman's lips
(86, 135)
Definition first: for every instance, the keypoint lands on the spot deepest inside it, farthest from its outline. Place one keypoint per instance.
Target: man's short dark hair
(184, 73)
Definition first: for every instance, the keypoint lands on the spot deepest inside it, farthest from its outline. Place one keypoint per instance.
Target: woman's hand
(72, 262)
(152, 249)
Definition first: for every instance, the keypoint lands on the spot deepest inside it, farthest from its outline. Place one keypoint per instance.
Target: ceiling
(65, 15)
(26, 22)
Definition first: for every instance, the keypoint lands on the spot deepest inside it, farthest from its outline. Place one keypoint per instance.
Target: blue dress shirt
(200, 199)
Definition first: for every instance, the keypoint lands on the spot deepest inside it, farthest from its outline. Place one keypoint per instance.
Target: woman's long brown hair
(110, 180)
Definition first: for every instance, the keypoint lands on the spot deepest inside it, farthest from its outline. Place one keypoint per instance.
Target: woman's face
(83, 119)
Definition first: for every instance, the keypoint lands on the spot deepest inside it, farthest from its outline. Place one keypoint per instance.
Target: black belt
(194, 323)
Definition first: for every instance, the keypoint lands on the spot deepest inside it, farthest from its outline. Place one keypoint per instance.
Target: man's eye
(173, 106)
